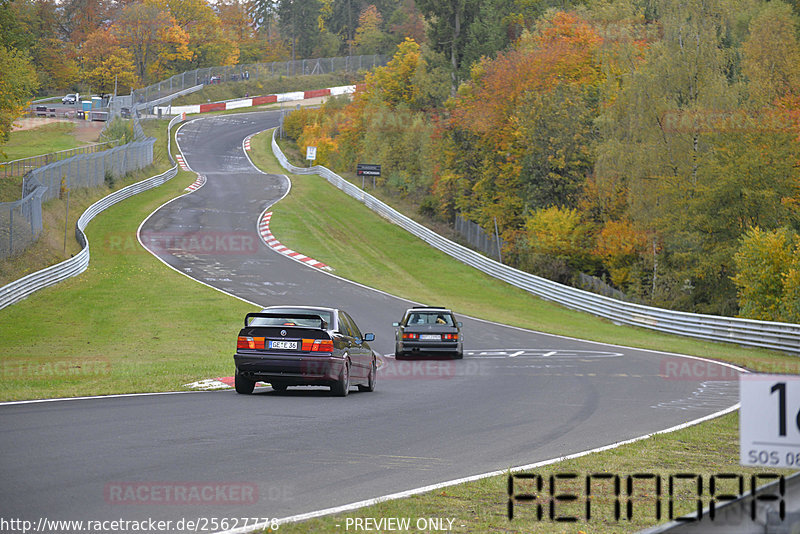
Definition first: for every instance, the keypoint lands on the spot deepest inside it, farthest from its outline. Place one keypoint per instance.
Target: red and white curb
(274, 244)
(212, 383)
(182, 162)
(200, 182)
(247, 142)
(258, 100)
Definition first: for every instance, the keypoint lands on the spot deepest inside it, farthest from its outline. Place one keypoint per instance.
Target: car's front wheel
(342, 387)
(243, 384)
(278, 386)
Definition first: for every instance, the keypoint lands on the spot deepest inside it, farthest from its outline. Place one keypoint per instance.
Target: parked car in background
(428, 331)
(304, 345)
(70, 99)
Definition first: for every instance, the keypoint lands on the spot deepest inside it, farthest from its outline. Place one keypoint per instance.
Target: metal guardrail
(763, 334)
(19, 289)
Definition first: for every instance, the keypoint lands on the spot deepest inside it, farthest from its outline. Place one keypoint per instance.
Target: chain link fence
(476, 236)
(19, 167)
(89, 170)
(254, 71)
(21, 221)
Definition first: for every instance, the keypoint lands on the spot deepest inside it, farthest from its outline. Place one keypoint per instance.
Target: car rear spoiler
(322, 323)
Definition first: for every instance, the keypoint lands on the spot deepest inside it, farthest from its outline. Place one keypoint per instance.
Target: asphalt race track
(517, 397)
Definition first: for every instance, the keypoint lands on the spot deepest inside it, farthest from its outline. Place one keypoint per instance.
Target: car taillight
(318, 345)
(410, 336)
(247, 342)
(450, 337)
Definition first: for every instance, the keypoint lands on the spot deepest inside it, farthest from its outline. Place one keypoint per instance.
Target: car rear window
(311, 322)
(421, 318)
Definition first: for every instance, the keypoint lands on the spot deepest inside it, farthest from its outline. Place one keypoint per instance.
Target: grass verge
(43, 139)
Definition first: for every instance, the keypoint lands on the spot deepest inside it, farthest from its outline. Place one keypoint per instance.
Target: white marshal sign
(769, 420)
(311, 153)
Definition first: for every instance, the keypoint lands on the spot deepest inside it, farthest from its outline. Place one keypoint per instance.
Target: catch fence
(254, 71)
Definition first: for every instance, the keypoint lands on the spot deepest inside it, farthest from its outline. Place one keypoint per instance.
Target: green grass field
(41, 140)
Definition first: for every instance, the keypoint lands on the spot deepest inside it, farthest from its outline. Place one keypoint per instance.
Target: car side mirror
(395, 324)
(369, 337)
(460, 324)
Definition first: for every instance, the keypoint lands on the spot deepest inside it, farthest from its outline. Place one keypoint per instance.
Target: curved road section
(516, 398)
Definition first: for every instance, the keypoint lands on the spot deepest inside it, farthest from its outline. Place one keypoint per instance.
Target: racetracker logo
(13, 369)
(181, 493)
(194, 243)
(709, 121)
(689, 369)
(429, 369)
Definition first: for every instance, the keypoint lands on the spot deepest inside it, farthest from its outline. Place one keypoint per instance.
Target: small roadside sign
(311, 153)
(368, 169)
(769, 420)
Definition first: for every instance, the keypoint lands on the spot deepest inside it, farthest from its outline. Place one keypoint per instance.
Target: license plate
(430, 337)
(283, 345)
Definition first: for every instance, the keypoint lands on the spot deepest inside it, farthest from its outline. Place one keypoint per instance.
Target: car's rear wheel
(278, 386)
(373, 374)
(243, 384)
(342, 387)
(459, 355)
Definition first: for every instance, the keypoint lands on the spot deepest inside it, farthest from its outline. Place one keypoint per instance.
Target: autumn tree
(410, 79)
(299, 23)
(506, 124)
(771, 54)
(370, 37)
(264, 14)
(449, 21)
(766, 274)
(57, 64)
(15, 31)
(658, 139)
(207, 43)
(83, 17)
(621, 246)
(108, 67)
(558, 232)
(17, 83)
(407, 22)
(153, 38)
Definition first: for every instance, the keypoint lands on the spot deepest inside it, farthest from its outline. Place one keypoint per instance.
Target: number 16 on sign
(769, 420)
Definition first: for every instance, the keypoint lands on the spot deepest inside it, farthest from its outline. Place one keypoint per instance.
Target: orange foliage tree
(503, 115)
